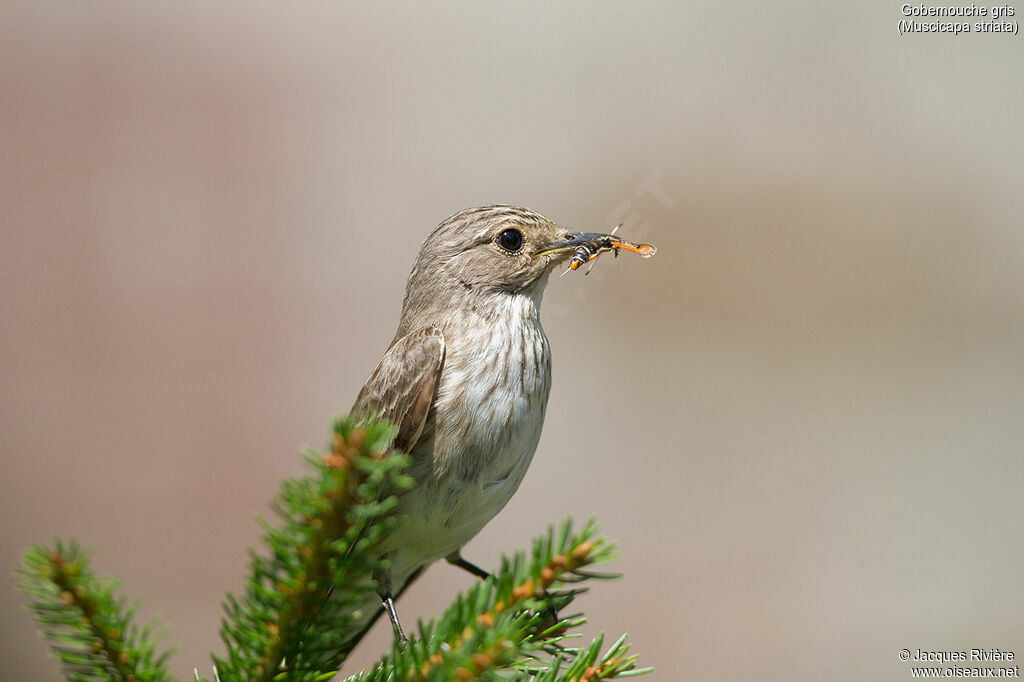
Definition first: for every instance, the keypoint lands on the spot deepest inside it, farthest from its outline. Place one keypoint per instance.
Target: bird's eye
(510, 240)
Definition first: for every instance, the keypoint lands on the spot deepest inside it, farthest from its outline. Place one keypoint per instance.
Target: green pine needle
(91, 629)
(295, 616)
(506, 626)
(294, 622)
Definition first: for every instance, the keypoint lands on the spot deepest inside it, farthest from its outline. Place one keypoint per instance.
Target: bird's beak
(573, 240)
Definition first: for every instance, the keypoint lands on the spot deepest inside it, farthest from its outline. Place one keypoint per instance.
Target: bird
(465, 381)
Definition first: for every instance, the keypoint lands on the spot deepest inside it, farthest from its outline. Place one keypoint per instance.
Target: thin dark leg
(355, 639)
(384, 581)
(455, 559)
(389, 606)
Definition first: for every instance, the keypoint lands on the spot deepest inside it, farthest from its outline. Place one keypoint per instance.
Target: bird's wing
(402, 387)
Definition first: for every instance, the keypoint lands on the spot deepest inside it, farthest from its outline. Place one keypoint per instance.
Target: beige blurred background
(802, 418)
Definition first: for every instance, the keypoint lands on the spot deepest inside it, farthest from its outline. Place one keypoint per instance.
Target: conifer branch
(91, 630)
(506, 623)
(296, 614)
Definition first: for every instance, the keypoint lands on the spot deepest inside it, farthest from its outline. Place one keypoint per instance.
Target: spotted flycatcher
(465, 381)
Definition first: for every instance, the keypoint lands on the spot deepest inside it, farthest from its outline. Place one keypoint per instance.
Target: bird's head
(478, 256)
(495, 249)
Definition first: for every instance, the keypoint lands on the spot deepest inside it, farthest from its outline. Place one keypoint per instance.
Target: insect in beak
(587, 246)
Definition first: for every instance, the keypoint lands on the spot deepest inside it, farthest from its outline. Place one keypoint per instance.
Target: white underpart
(489, 413)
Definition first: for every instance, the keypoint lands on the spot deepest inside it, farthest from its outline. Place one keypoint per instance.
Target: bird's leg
(384, 584)
(455, 559)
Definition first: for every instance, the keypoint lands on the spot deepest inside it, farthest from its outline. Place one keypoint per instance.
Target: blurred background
(801, 419)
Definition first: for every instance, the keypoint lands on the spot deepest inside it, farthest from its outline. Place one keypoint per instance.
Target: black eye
(510, 240)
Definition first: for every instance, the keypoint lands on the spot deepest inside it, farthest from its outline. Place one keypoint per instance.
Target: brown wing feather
(402, 387)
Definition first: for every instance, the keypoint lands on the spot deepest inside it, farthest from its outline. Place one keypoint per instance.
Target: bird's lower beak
(574, 240)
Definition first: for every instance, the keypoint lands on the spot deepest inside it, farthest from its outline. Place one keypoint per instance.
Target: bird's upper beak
(573, 240)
